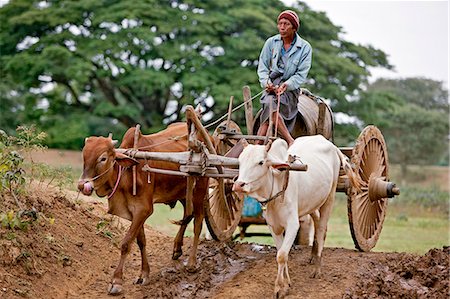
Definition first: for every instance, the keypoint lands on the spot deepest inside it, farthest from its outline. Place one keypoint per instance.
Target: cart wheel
(367, 204)
(223, 209)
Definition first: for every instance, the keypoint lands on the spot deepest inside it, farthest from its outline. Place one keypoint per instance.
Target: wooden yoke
(194, 125)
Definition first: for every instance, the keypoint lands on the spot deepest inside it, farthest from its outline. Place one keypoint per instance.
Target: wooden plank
(348, 151)
(343, 184)
(209, 171)
(179, 157)
(248, 109)
(164, 171)
(249, 137)
(191, 116)
(321, 120)
(190, 195)
(230, 111)
(175, 157)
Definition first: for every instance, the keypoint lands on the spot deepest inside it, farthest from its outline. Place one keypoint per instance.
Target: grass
(416, 221)
(412, 229)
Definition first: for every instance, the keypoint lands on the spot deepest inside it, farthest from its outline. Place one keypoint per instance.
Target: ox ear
(125, 161)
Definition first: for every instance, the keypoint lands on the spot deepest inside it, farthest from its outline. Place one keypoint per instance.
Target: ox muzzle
(86, 187)
(238, 187)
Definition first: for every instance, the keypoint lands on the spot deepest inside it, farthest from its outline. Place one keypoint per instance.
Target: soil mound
(63, 246)
(405, 276)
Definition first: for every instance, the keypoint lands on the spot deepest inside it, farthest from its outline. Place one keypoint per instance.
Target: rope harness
(119, 176)
(279, 193)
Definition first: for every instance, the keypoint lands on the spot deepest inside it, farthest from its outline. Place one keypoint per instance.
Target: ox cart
(217, 160)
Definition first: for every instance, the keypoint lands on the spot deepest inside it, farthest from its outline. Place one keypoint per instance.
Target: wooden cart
(217, 160)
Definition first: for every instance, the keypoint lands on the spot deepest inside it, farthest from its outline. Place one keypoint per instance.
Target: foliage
(12, 166)
(426, 93)
(59, 176)
(414, 121)
(17, 220)
(11, 172)
(142, 61)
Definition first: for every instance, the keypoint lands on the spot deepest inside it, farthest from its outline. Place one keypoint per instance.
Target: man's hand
(270, 88)
(282, 88)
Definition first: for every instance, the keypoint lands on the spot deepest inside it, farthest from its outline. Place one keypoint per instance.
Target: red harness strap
(117, 182)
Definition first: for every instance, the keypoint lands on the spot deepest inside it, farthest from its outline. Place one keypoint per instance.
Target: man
(284, 63)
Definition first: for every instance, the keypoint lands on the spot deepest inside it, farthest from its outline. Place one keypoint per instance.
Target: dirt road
(71, 251)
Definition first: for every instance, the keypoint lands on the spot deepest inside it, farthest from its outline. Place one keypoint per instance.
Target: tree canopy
(413, 116)
(86, 66)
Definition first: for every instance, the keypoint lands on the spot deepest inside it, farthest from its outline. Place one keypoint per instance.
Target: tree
(413, 119)
(142, 61)
(426, 93)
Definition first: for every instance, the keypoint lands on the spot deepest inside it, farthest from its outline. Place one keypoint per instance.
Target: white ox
(262, 175)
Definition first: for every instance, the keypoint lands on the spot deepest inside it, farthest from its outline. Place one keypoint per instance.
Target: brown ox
(101, 172)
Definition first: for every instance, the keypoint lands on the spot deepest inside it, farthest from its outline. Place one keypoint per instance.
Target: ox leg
(200, 192)
(325, 212)
(178, 242)
(145, 268)
(115, 288)
(315, 217)
(282, 286)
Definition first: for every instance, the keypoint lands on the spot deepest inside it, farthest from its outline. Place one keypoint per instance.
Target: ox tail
(184, 221)
(352, 176)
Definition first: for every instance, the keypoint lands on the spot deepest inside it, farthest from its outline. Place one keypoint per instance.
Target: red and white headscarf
(291, 16)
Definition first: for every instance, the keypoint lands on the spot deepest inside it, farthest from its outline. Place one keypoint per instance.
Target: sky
(414, 34)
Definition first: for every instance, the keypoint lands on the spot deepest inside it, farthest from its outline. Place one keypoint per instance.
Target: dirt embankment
(71, 249)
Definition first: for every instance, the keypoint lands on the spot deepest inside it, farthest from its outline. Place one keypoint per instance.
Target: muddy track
(75, 257)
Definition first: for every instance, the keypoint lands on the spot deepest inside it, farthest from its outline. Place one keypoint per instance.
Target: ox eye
(261, 163)
(103, 159)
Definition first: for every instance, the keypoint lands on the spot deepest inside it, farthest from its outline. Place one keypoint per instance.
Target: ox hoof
(142, 281)
(316, 274)
(176, 255)
(115, 289)
(191, 269)
(280, 294)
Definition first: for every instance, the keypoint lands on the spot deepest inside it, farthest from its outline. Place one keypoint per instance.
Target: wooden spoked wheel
(367, 203)
(223, 208)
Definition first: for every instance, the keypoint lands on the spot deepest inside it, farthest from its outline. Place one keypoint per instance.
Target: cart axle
(380, 189)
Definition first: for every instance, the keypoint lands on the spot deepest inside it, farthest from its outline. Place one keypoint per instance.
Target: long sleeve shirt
(296, 66)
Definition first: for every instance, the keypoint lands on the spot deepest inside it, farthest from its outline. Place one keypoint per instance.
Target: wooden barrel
(314, 117)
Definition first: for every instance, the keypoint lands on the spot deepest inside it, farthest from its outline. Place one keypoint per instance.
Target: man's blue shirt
(297, 63)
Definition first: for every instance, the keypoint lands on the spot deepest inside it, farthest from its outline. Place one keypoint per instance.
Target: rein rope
(101, 174)
(279, 193)
(176, 138)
